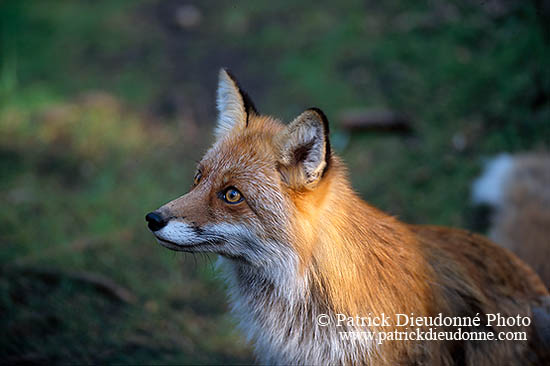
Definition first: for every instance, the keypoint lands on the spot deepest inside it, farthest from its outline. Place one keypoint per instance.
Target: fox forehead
(245, 154)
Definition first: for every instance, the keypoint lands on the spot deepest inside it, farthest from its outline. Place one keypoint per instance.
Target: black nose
(155, 221)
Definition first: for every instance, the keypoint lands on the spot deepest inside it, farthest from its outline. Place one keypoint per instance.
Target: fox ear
(234, 105)
(304, 149)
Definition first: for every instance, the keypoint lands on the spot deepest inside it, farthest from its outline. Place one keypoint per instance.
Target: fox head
(253, 187)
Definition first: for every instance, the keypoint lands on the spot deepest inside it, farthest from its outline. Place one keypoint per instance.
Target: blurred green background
(106, 105)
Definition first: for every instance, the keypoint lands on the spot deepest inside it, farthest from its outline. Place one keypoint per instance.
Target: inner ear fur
(234, 105)
(248, 104)
(304, 150)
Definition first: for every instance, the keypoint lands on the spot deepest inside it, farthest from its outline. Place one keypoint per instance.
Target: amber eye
(197, 178)
(232, 195)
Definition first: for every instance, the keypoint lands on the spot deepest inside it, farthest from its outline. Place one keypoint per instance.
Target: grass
(105, 106)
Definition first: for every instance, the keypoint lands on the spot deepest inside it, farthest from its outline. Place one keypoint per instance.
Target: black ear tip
(324, 121)
(248, 103)
(323, 116)
(229, 73)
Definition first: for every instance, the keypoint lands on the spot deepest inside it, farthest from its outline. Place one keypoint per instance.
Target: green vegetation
(106, 105)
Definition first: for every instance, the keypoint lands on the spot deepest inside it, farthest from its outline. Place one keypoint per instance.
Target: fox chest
(288, 331)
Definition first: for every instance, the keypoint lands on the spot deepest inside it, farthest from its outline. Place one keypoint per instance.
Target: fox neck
(361, 258)
(349, 259)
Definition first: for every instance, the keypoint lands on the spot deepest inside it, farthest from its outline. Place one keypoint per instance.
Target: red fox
(317, 276)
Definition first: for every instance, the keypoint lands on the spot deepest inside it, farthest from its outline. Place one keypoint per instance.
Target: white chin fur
(179, 233)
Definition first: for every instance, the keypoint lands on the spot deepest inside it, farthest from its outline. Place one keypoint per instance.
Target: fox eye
(197, 178)
(232, 195)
